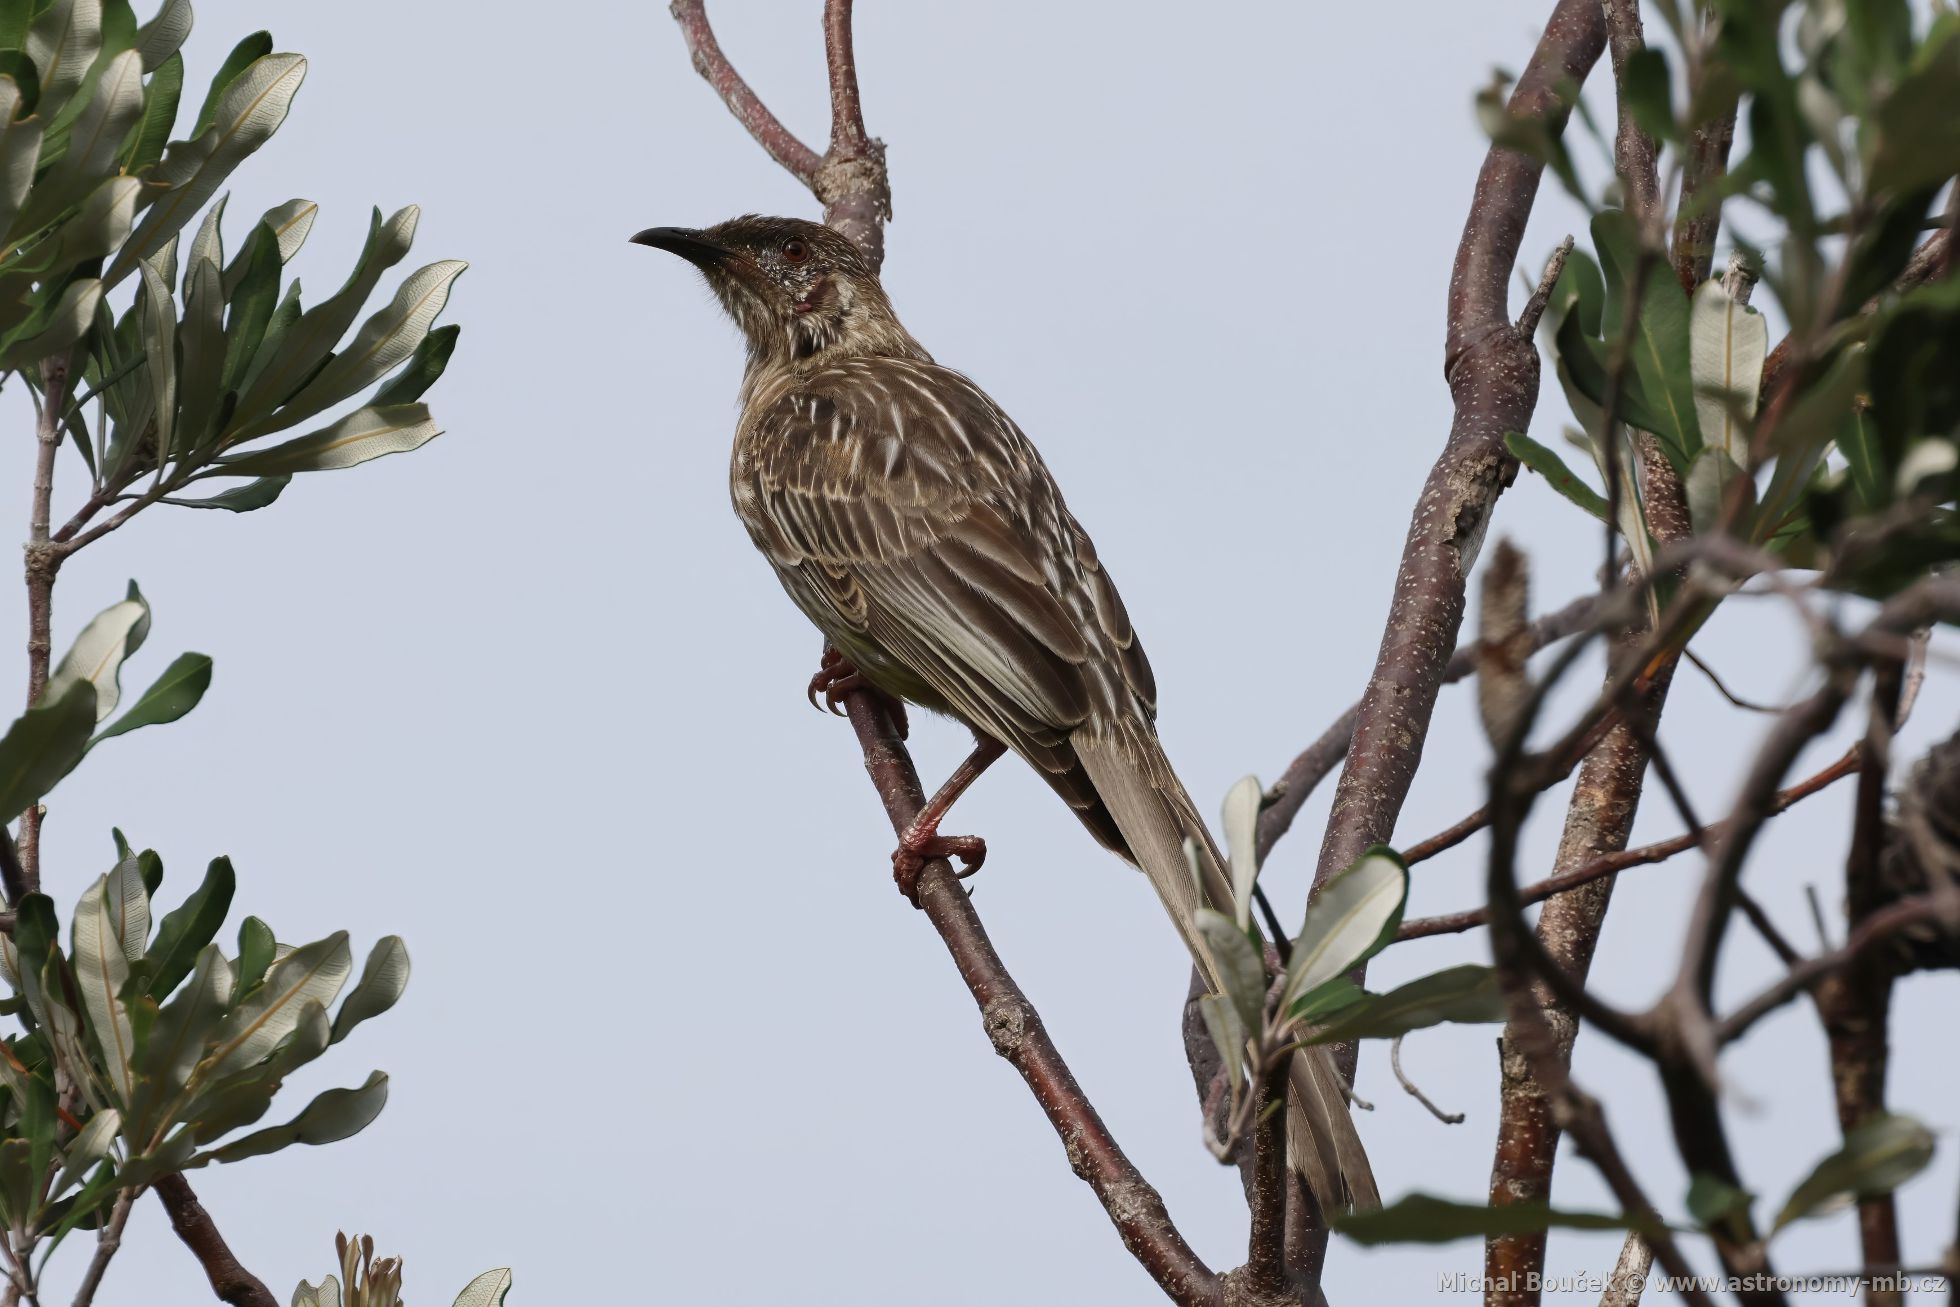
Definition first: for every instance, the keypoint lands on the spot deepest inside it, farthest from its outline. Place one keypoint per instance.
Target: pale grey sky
(528, 699)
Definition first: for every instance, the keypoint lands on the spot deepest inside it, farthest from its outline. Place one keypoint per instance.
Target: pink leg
(922, 842)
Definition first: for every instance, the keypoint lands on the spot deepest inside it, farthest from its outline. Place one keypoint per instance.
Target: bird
(916, 526)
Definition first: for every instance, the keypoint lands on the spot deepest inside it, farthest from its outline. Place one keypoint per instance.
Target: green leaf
(1659, 394)
(243, 55)
(1467, 994)
(178, 1037)
(56, 323)
(290, 224)
(1227, 1033)
(386, 340)
(1241, 971)
(87, 1148)
(254, 494)
(160, 100)
(62, 43)
(305, 346)
(257, 948)
(335, 1115)
(1327, 1000)
(1857, 440)
(1728, 344)
(203, 348)
(101, 970)
(252, 108)
(160, 351)
(1241, 843)
(20, 154)
(1877, 1157)
(1550, 466)
(254, 294)
(1352, 918)
(1420, 1218)
(383, 978)
(190, 926)
(1805, 434)
(1645, 85)
(44, 745)
(423, 370)
(486, 1290)
(266, 1015)
(159, 39)
(1712, 1202)
(362, 435)
(126, 905)
(1918, 137)
(1707, 486)
(98, 653)
(172, 695)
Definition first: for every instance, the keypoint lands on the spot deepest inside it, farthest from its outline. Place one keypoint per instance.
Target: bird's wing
(900, 503)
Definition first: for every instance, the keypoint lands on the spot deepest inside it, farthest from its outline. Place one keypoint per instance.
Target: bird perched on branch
(914, 524)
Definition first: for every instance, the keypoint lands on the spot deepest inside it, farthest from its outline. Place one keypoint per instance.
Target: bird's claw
(836, 678)
(918, 847)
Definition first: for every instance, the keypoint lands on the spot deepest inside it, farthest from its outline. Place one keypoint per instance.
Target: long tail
(1151, 807)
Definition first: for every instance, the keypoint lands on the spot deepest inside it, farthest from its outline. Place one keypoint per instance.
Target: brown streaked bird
(915, 525)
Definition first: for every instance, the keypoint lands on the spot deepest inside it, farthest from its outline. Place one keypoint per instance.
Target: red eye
(795, 251)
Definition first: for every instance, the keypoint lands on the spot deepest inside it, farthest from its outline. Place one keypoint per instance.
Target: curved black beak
(686, 242)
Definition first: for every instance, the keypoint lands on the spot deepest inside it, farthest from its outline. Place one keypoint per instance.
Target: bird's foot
(838, 678)
(921, 844)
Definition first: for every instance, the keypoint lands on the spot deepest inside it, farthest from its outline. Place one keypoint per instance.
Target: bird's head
(799, 291)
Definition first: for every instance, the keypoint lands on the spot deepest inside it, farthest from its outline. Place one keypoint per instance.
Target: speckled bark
(1598, 820)
(1492, 371)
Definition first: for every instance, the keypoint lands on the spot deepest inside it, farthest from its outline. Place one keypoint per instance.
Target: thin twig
(1018, 1035)
(1284, 799)
(705, 53)
(107, 1242)
(1395, 1064)
(1609, 864)
(1749, 705)
(1898, 915)
(41, 565)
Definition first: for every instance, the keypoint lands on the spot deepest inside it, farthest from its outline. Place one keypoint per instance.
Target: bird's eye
(795, 251)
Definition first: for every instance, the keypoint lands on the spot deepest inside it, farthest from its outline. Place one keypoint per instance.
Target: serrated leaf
(43, 745)
(362, 435)
(383, 978)
(1877, 1157)
(1351, 919)
(98, 653)
(170, 697)
(1241, 971)
(335, 1115)
(1467, 994)
(1241, 842)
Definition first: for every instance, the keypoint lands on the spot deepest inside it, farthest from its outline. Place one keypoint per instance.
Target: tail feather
(1156, 816)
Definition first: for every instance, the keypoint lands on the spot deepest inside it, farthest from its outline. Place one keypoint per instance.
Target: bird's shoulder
(912, 428)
